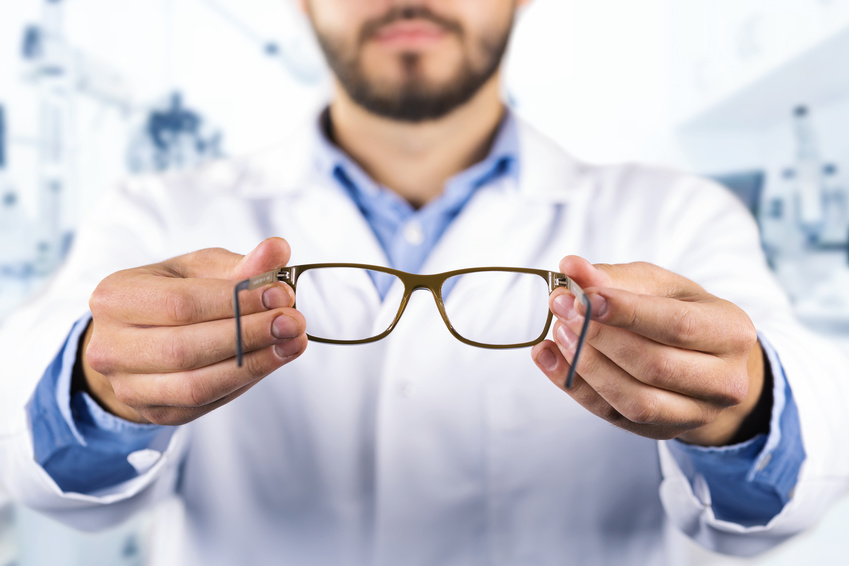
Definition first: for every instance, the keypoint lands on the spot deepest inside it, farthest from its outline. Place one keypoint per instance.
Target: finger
(691, 373)
(634, 400)
(205, 386)
(191, 288)
(176, 416)
(217, 263)
(589, 398)
(713, 325)
(140, 298)
(638, 277)
(166, 349)
(553, 364)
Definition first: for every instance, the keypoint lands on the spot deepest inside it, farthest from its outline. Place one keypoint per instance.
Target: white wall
(594, 75)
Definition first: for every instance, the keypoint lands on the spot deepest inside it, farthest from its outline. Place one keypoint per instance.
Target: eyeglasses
(489, 307)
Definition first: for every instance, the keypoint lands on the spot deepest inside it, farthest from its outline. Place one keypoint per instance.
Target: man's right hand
(161, 345)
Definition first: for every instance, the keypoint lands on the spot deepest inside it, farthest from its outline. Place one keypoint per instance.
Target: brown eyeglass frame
(413, 282)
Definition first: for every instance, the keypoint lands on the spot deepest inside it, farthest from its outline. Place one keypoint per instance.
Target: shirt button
(143, 460)
(413, 233)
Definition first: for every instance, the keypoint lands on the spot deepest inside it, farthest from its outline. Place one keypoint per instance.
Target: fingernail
(564, 307)
(547, 360)
(275, 298)
(565, 337)
(285, 327)
(288, 348)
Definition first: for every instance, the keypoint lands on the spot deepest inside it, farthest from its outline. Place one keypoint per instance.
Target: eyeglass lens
(498, 308)
(342, 303)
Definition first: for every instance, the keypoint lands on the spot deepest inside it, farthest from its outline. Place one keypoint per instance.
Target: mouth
(410, 34)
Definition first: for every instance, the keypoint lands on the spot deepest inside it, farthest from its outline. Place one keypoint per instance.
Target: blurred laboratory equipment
(805, 231)
(745, 185)
(808, 194)
(17, 249)
(835, 232)
(169, 134)
(298, 52)
(32, 245)
(173, 137)
(59, 72)
(783, 239)
(805, 210)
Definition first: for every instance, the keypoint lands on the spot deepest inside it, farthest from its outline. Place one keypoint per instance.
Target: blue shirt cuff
(80, 445)
(750, 483)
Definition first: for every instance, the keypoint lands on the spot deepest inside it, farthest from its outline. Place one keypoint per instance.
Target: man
(419, 449)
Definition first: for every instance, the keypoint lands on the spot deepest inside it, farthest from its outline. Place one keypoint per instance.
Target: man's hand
(663, 358)
(161, 344)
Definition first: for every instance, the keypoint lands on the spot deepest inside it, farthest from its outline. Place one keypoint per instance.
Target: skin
(664, 358)
(160, 346)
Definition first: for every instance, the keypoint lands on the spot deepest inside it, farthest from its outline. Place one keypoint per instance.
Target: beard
(415, 99)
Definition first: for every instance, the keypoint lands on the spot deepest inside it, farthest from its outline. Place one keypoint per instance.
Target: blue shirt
(85, 449)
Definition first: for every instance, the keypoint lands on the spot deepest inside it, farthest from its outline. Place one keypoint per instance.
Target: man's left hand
(663, 358)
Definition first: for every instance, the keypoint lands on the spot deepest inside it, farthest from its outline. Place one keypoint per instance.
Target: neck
(416, 159)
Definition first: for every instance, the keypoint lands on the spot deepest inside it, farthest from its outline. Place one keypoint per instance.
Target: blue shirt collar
(502, 160)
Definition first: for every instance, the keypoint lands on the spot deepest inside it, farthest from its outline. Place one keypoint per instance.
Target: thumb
(584, 273)
(637, 277)
(271, 253)
(218, 263)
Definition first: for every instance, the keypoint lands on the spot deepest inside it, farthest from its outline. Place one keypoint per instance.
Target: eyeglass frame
(413, 282)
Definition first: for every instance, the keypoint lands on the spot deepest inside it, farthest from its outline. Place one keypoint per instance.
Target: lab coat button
(414, 234)
(406, 389)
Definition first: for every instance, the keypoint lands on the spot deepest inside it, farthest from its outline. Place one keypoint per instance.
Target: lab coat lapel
(513, 224)
(306, 206)
(330, 227)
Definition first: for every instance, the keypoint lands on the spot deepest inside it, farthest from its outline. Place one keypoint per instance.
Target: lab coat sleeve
(751, 482)
(711, 239)
(83, 447)
(126, 230)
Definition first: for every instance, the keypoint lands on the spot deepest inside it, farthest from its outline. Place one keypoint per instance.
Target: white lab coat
(419, 449)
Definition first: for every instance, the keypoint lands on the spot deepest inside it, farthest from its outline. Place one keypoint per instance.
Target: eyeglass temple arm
(561, 280)
(248, 285)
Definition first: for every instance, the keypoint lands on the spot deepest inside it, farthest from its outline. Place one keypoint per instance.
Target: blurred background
(753, 93)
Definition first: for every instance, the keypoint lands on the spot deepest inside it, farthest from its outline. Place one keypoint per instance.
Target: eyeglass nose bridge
(426, 282)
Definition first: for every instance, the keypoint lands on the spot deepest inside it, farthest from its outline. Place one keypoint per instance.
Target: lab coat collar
(546, 172)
